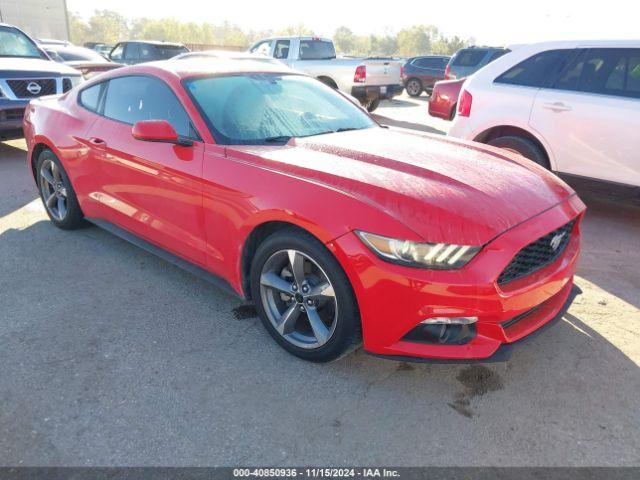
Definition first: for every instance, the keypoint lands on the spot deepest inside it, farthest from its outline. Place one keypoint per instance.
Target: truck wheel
(522, 146)
(414, 87)
(372, 105)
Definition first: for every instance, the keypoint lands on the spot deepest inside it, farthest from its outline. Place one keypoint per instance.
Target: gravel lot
(111, 356)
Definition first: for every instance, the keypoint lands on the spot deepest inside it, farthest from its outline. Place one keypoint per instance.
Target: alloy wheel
(53, 189)
(413, 88)
(298, 298)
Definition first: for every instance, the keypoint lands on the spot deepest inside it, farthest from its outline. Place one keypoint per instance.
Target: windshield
(80, 55)
(14, 43)
(264, 108)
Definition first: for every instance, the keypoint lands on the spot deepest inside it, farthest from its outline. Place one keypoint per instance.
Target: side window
(147, 52)
(131, 52)
(116, 53)
(633, 74)
(262, 48)
(468, 58)
(281, 51)
(135, 98)
(89, 98)
(535, 71)
(426, 62)
(569, 76)
(611, 71)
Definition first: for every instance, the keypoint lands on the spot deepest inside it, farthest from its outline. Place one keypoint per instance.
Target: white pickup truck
(368, 80)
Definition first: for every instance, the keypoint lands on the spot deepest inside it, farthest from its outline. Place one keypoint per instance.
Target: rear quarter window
(89, 98)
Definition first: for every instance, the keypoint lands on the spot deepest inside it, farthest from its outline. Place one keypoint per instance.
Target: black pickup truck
(26, 72)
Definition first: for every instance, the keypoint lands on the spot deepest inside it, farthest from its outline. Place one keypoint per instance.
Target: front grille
(538, 254)
(28, 88)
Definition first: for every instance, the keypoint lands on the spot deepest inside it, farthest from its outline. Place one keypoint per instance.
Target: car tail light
(447, 72)
(402, 71)
(361, 74)
(464, 104)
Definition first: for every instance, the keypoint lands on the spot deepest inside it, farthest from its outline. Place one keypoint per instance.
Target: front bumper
(383, 92)
(11, 116)
(394, 299)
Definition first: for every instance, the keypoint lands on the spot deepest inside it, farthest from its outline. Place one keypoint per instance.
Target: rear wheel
(57, 193)
(453, 112)
(372, 105)
(522, 146)
(304, 299)
(414, 87)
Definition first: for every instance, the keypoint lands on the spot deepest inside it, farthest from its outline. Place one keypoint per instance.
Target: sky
(489, 22)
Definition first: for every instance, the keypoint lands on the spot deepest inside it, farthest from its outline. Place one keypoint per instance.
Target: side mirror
(158, 131)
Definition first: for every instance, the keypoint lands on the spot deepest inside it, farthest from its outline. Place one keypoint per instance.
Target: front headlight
(442, 256)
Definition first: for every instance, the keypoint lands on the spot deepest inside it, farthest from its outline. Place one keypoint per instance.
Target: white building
(38, 18)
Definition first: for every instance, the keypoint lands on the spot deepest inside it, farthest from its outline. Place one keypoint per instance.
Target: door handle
(557, 107)
(97, 142)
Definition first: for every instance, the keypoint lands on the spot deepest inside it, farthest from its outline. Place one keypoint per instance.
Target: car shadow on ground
(611, 241)
(16, 192)
(406, 102)
(409, 125)
(119, 337)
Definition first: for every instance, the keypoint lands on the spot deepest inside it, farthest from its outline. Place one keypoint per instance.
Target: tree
(344, 40)
(297, 30)
(79, 31)
(416, 40)
(108, 26)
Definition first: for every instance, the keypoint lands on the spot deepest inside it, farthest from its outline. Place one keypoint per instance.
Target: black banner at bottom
(311, 473)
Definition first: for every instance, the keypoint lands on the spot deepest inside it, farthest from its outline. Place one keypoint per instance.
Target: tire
(282, 299)
(454, 112)
(56, 192)
(414, 87)
(372, 105)
(523, 146)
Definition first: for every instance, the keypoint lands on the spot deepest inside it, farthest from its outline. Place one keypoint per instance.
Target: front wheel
(57, 193)
(304, 298)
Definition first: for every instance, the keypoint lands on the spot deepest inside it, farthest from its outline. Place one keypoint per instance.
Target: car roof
(197, 67)
(154, 42)
(585, 43)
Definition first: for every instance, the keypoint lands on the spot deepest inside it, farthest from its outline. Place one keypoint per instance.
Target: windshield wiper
(277, 139)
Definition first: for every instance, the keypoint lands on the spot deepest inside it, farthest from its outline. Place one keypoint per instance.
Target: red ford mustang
(280, 188)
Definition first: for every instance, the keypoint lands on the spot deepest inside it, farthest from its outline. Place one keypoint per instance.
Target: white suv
(573, 107)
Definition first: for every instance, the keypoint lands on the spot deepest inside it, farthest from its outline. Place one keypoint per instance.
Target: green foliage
(110, 27)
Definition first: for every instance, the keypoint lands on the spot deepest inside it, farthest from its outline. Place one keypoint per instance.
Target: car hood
(445, 190)
(33, 67)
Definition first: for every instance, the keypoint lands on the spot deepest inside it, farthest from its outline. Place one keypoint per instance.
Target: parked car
(419, 74)
(26, 72)
(572, 107)
(444, 98)
(467, 61)
(225, 55)
(368, 80)
(102, 48)
(89, 62)
(137, 51)
(278, 187)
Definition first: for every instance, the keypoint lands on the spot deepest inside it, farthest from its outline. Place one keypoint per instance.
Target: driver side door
(150, 189)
